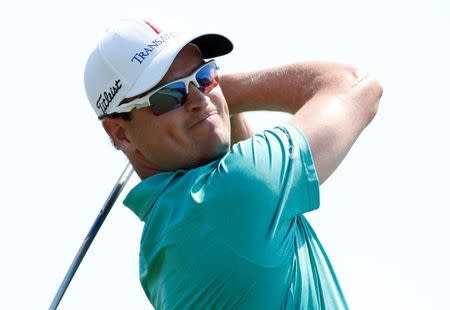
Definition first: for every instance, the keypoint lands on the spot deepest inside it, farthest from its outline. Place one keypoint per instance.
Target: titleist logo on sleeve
(107, 97)
(149, 48)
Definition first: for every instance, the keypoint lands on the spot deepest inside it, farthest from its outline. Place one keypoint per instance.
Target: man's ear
(118, 130)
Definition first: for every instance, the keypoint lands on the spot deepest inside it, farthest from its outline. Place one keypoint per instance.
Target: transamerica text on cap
(140, 56)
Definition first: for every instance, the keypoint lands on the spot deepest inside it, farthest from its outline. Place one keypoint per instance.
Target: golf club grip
(123, 179)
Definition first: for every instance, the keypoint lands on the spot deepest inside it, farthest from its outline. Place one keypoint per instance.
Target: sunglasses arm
(135, 104)
(141, 103)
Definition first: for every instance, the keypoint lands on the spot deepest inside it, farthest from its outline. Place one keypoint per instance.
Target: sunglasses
(173, 95)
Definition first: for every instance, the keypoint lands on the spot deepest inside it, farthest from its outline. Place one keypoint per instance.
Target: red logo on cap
(152, 26)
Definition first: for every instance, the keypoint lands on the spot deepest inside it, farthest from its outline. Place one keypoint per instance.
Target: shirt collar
(142, 197)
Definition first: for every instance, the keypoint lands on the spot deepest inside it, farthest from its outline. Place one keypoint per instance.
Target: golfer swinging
(223, 207)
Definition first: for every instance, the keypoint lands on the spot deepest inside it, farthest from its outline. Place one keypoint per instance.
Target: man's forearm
(286, 88)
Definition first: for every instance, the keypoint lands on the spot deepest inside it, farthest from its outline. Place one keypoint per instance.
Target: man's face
(186, 137)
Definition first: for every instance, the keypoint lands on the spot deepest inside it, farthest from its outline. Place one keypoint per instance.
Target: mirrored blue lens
(168, 98)
(207, 77)
(172, 95)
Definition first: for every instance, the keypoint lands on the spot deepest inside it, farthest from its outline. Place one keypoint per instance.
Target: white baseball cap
(133, 55)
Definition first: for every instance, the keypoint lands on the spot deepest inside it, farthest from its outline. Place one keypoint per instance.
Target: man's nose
(195, 99)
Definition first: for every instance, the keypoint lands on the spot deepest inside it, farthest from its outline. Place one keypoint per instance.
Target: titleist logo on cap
(107, 97)
(149, 48)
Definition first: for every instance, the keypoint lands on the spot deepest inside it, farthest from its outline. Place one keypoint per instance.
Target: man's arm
(331, 103)
(240, 128)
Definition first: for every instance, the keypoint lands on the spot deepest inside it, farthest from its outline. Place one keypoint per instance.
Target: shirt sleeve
(275, 165)
(259, 188)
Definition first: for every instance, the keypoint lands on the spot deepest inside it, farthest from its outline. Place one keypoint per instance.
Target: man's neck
(143, 168)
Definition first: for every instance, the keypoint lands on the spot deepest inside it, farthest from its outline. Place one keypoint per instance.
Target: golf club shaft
(123, 179)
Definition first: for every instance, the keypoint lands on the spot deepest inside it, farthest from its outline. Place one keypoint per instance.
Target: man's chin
(218, 153)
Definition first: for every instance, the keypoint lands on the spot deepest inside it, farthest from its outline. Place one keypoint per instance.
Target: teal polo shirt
(232, 235)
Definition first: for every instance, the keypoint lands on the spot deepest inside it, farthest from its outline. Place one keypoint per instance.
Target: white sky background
(384, 213)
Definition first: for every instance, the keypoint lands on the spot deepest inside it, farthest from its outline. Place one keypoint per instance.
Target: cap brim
(211, 45)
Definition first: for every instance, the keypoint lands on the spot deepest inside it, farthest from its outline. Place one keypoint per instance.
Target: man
(223, 207)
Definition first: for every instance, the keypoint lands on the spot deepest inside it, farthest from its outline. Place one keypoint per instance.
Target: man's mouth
(205, 116)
